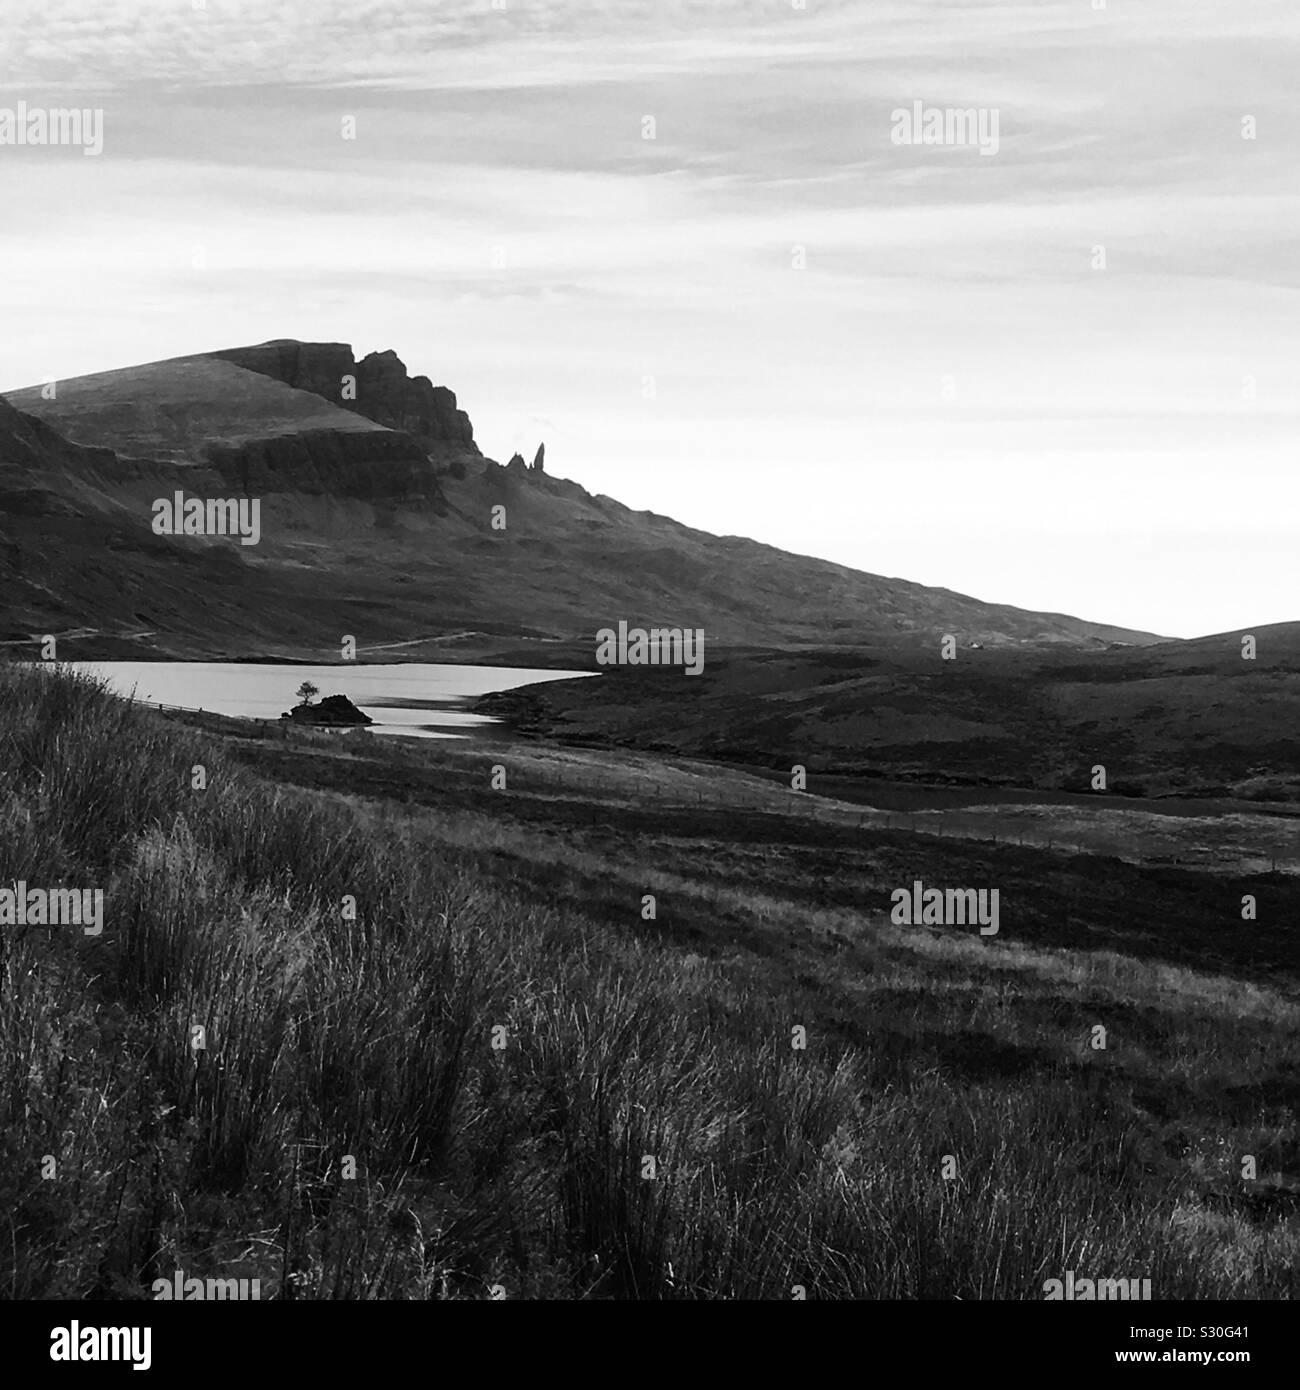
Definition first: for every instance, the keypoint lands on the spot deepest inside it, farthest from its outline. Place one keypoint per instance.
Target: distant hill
(1186, 718)
(376, 520)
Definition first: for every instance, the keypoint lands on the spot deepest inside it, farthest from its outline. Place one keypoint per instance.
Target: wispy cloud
(500, 220)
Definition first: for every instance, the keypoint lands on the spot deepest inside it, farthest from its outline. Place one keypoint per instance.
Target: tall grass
(456, 1086)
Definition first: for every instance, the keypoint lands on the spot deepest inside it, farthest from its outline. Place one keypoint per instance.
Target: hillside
(1191, 718)
(376, 520)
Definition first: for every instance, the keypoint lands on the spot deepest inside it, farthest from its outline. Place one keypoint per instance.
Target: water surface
(419, 699)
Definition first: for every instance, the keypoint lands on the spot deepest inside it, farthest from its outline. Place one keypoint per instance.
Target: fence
(254, 724)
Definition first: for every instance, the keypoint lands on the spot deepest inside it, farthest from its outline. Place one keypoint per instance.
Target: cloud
(500, 220)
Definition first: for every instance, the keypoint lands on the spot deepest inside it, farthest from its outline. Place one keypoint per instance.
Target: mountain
(377, 520)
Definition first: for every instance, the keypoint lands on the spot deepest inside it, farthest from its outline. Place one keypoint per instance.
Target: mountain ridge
(380, 510)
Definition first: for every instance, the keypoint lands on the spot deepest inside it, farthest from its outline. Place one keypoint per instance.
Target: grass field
(500, 1071)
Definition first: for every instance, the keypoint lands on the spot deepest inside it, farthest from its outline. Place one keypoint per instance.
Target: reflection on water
(419, 699)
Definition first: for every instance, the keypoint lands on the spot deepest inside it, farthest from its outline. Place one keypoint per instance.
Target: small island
(333, 710)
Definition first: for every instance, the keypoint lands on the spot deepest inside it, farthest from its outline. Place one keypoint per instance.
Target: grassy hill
(173, 410)
(1191, 718)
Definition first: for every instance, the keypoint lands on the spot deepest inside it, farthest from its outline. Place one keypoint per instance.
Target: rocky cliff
(373, 465)
(377, 387)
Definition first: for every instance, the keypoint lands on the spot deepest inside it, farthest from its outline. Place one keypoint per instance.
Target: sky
(1063, 374)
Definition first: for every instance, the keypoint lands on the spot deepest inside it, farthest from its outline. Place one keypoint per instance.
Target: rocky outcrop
(377, 387)
(373, 465)
(517, 464)
(333, 709)
(412, 403)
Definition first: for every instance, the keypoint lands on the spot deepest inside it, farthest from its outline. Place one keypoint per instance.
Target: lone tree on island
(307, 692)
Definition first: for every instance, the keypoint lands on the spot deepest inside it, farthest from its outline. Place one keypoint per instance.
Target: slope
(381, 518)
